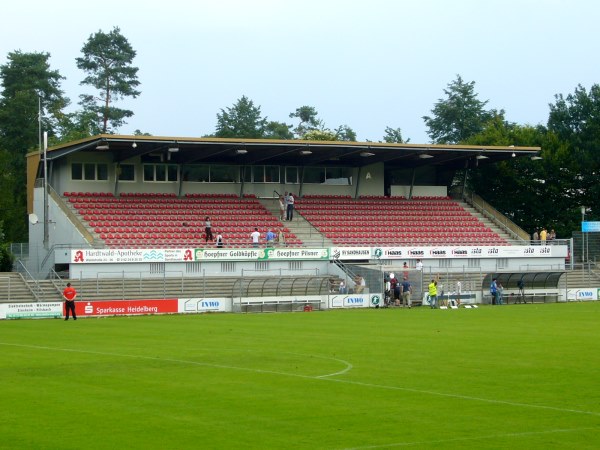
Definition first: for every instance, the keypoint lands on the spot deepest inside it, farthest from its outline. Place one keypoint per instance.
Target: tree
(459, 116)
(278, 130)
(345, 133)
(320, 135)
(576, 121)
(242, 120)
(28, 86)
(394, 136)
(107, 61)
(308, 120)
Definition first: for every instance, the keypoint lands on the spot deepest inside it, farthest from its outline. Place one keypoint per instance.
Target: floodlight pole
(46, 215)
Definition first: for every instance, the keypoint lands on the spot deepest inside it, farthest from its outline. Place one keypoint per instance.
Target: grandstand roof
(290, 152)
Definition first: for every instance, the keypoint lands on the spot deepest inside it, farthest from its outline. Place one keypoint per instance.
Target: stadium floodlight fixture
(481, 157)
(134, 145)
(305, 152)
(241, 151)
(425, 156)
(366, 154)
(173, 149)
(102, 147)
(536, 158)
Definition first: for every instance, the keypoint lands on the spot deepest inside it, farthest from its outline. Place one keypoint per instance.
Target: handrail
(35, 292)
(495, 216)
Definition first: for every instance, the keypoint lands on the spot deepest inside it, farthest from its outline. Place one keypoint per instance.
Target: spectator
(521, 286)
(281, 237)
(543, 236)
(290, 207)
(551, 236)
(270, 238)
(219, 240)
(282, 208)
(406, 290)
(458, 292)
(494, 291)
(360, 284)
(500, 290)
(255, 235)
(342, 287)
(419, 265)
(286, 197)
(432, 293)
(405, 269)
(535, 237)
(208, 229)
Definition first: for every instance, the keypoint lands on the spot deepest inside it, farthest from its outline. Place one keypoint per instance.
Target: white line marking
(196, 363)
(312, 377)
(473, 438)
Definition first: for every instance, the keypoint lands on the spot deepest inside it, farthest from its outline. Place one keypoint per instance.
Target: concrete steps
(301, 228)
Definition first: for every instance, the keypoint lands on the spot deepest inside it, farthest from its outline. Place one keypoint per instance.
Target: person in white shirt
(419, 265)
(290, 207)
(255, 235)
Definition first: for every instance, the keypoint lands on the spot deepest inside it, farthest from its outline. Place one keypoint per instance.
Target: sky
(365, 64)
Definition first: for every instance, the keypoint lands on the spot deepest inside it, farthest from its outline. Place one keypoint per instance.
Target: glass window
(314, 175)
(172, 172)
(148, 172)
(271, 174)
(89, 171)
(160, 172)
(77, 171)
(258, 174)
(196, 173)
(291, 175)
(102, 172)
(338, 176)
(223, 174)
(127, 172)
(247, 174)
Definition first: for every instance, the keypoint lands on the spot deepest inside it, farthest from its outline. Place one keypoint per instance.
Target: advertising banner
(126, 307)
(502, 251)
(31, 310)
(351, 301)
(106, 255)
(583, 294)
(200, 305)
(98, 256)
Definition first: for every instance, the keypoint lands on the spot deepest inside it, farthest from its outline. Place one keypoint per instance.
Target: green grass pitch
(518, 377)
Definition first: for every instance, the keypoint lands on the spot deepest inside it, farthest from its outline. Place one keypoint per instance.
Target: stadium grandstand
(123, 218)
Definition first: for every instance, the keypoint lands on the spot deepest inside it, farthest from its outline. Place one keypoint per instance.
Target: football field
(518, 377)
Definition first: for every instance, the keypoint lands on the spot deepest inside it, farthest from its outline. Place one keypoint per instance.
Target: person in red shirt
(69, 294)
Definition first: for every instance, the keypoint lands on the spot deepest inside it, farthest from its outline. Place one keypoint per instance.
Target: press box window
(126, 172)
(89, 171)
(160, 172)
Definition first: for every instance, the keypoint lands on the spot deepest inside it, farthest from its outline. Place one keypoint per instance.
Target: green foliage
(278, 130)
(28, 85)
(6, 258)
(242, 120)
(576, 121)
(107, 61)
(345, 133)
(320, 135)
(457, 117)
(308, 121)
(394, 136)
(549, 192)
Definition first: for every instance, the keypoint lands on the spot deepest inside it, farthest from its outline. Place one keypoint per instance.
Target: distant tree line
(549, 192)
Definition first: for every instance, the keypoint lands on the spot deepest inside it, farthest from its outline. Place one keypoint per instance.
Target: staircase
(490, 224)
(301, 228)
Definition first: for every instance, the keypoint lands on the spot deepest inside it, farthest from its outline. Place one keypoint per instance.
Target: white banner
(31, 310)
(199, 305)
